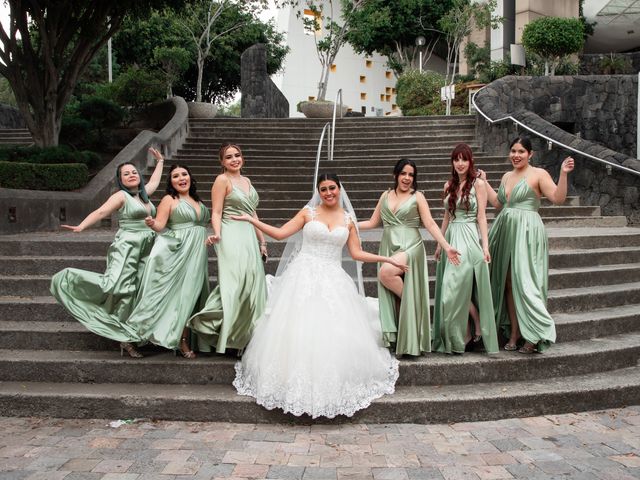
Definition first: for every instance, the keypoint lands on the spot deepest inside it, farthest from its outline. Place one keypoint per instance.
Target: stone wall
(10, 117)
(600, 114)
(260, 96)
(590, 63)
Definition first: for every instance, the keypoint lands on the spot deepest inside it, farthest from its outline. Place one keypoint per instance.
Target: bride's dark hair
(327, 176)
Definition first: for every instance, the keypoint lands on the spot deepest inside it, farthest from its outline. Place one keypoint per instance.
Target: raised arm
(557, 194)
(374, 221)
(481, 198)
(113, 203)
(492, 195)
(279, 233)
(432, 227)
(162, 214)
(356, 252)
(151, 186)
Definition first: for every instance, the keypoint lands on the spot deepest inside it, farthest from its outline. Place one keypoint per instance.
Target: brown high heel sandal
(189, 353)
(528, 348)
(130, 349)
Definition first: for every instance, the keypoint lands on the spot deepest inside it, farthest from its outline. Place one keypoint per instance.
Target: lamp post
(420, 41)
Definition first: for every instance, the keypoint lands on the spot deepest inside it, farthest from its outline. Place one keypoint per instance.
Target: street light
(420, 41)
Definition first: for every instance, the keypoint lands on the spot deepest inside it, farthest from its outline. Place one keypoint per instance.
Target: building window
(363, 79)
(382, 97)
(387, 74)
(311, 22)
(368, 63)
(388, 98)
(394, 106)
(363, 109)
(388, 90)
(393, 90)
(311, 99)
(333, 68)
(363, 95)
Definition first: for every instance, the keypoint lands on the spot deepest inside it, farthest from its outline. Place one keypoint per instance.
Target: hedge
(49, 155)
(33, 176)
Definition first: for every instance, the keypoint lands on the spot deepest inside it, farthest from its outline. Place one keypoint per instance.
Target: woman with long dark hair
(175, 282)
(519, 252)
(404, 296)
(464, 290)
(102, 302)
(234, 306)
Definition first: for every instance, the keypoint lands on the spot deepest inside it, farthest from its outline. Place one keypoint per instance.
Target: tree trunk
(47, 132)
(322, 88)
(199, 83)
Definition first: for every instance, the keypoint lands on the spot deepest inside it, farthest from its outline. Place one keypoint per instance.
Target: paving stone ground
(592, 445)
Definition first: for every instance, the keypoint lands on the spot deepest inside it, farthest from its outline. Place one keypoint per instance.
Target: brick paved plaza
(592, 445)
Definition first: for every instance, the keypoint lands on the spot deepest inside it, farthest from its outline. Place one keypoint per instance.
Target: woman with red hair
(464, 290)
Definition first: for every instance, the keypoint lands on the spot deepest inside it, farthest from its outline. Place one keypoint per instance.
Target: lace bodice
(320, 242)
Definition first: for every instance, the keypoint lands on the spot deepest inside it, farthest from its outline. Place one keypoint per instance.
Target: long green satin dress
(457, 285)
(234, 306)
(102, 302)
(408, 327)
(518, 239)
(175, 282)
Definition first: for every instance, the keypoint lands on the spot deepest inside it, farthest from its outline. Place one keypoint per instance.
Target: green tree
(47, 46)
(135, 44)
(553, 39)
(391, 29)
(173, 62)
(459, 22)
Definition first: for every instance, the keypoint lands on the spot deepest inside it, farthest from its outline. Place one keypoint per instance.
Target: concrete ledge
(37, 210)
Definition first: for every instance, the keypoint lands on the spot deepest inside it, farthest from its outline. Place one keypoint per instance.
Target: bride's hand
(243, 218)
(454, 256)
(402, 266)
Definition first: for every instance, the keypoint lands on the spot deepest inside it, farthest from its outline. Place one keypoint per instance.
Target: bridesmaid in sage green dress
(234, 306)
(404, 297)
(518, 246)
(466, 289)
(175, 281)
(102, 302)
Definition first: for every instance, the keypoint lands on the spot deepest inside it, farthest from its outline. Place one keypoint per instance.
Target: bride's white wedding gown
(317, 349)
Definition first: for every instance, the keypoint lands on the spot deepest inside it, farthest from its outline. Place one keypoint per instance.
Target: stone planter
(202, 110)
(323, 109)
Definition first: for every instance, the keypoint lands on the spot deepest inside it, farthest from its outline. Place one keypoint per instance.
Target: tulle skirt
(317, 350)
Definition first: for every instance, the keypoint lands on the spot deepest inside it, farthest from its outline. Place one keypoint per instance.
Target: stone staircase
(15, 136)
(50, 365)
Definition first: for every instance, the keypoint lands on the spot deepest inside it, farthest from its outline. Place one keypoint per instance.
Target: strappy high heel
(130, 349)
(189, 353)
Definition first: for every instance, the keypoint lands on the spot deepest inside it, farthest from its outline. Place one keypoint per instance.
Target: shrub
(43, 177)
(138, 88)
(101, 112)
(49, 155)
(77, 132)
(553, 38)
(418, 93)
(615, 64)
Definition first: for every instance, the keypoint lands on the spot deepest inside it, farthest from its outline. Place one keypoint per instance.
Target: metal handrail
(315, 174)
(333, 124)
(548, 139)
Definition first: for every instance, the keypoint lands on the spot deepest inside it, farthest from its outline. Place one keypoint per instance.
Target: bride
(316, 350)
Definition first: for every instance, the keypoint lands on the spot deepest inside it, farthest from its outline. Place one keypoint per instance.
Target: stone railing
(10, 117)
(260, 96)
(596, 115)
(33, 210)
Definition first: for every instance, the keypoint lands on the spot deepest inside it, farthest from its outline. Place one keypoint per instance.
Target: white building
(367, 83)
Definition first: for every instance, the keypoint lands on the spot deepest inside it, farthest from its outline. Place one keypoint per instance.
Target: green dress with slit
(102, 302)
(518, 239)
(405, 323)
(457, 286)
(233, 307)
(175, 282)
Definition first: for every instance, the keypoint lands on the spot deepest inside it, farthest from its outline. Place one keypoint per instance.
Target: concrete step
(340, 162)
(579, 358)
(233, 135)
(410, 404)
(311, 142)
(359, 122)
(94, 242)
(250, 151)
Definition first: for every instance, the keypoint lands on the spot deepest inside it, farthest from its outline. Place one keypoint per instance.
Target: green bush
(553, 38)
(77, 132)
(418, 93)
(613, 64)
(101, 112)
(138, 88)
(43, 177)
(49, 155)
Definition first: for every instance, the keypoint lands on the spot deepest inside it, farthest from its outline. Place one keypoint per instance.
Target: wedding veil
(294, 243)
